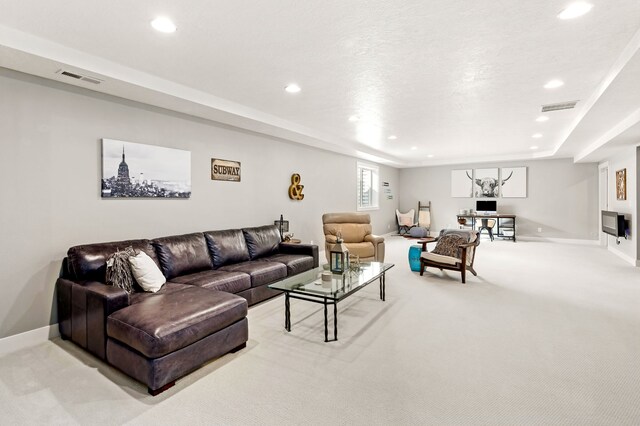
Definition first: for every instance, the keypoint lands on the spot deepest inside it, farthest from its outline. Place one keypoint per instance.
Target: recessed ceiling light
(575, 10)
(554, 84)
(533, 147)
(536, 135)
(164, 25)
(413, 148)
(430, 156)
(354, 118)
(292, 88)
(542, 119)
(392, 137)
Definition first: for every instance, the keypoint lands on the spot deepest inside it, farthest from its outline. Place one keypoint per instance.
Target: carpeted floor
(546, 334)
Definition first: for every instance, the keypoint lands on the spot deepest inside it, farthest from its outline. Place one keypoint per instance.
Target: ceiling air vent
(559, 106)
(79, 76)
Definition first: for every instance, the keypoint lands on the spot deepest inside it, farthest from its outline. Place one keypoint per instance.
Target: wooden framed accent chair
(355, 229)
(455, 250)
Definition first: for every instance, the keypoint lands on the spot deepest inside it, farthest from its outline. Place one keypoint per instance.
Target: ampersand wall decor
(295, 190)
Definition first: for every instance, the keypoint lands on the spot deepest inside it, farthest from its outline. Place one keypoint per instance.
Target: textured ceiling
(457, 80)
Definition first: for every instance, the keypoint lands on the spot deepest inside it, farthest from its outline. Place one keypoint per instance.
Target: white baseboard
(560, 240)
(28, 338)
(624, 256)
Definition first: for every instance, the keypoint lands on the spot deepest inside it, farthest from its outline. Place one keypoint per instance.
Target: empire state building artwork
(133, 170)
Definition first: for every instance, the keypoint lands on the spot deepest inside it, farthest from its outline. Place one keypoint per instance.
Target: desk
(506, 229)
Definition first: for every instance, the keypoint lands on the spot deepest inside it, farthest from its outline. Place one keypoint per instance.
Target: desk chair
(487, 224)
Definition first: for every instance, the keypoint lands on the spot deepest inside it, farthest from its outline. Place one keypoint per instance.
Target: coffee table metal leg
(326, 323)
(384, 287)
(335, 320)
(287, 312)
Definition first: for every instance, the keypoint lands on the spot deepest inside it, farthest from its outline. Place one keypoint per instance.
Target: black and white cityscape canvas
(486, 184)
(135, 170)
(514, 182)
(461, 183)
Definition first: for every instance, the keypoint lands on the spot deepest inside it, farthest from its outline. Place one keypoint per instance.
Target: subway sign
(225, 170)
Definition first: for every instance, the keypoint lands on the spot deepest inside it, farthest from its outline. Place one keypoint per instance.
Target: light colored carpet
(546, 334)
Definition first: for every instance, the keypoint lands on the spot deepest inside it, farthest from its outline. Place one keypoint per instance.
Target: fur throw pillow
(119, 269)
(448, 245)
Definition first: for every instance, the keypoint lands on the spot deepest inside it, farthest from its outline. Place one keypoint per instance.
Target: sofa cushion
(295, 263)
(227, 247)
(89, 261)
(164, 324)
(363, 250)
(182, 254)
(231, 282)
(262, 240)
(261, 272)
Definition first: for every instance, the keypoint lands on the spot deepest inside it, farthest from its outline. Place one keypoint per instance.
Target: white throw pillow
(146, 272)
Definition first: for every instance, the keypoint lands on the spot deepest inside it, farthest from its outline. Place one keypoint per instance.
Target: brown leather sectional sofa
(198, 315)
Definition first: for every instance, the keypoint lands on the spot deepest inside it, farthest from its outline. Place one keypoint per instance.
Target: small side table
(426, 241)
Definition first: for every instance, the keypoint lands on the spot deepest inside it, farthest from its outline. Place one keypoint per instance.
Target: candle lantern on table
(339, 257)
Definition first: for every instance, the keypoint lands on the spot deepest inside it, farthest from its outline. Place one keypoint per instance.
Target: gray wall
(562, 197)
(50, 172)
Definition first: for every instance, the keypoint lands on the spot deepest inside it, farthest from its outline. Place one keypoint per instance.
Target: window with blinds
(367, 183)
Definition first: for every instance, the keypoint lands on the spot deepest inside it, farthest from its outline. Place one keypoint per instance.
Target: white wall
(50, 171)
(626, 158)
(562, 197)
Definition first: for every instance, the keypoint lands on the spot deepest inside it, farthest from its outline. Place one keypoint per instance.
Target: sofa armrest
(83, 308)
(375, 239)
(304, 249)
(378, 246)
(331, 239)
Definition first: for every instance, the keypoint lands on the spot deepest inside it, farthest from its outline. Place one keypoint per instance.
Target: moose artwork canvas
(486, 183)
(514, 182)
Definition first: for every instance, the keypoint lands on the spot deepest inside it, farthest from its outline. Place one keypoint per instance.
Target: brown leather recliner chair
(355, 229)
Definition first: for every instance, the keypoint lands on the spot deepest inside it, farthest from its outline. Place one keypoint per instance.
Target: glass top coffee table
(311, 287)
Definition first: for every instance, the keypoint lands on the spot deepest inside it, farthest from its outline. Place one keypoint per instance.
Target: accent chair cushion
(448, 245)
(439, 258)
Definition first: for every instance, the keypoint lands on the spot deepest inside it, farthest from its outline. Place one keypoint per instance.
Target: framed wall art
(513, 182)
(621, 184)
(486, 184)
(135, 170)
(461, 183)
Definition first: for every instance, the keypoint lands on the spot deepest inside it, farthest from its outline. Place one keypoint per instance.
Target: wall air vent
(81, 77)
(559, 106)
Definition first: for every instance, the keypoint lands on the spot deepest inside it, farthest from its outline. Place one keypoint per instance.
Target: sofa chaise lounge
(200, 312)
